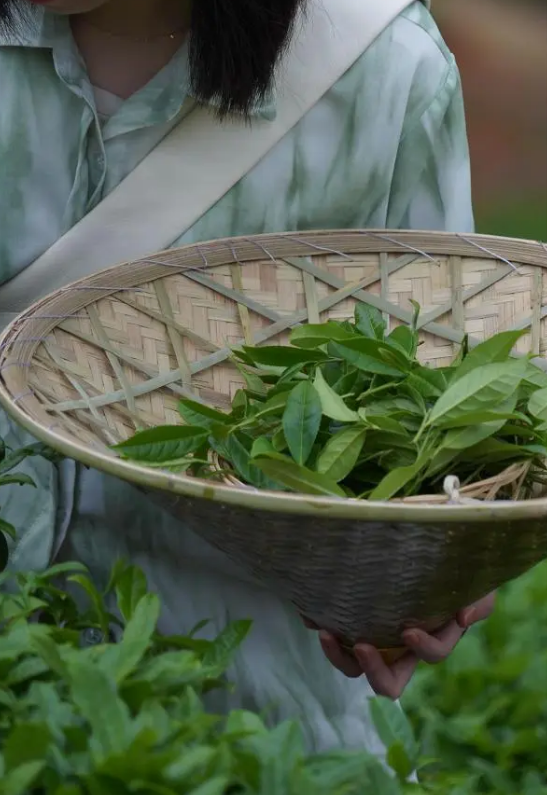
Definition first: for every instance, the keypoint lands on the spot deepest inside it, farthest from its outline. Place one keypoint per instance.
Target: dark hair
(235, 46)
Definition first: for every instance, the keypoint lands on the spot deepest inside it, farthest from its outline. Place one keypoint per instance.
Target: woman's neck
(127, 42)
(141, 18)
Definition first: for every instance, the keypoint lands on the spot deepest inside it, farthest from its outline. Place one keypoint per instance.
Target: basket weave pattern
(369, 580)
(120, 361)
(86, 367)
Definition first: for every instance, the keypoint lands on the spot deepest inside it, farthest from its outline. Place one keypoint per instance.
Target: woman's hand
(391, 680)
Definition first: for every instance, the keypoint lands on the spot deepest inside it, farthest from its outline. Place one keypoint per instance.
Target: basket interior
(114, 353)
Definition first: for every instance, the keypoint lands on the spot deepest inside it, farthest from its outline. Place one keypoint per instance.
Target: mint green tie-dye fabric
(385, 148)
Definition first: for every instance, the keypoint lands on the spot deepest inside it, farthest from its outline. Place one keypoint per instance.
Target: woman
(89, 87)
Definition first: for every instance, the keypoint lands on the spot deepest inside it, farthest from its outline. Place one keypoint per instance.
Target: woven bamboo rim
(499, 264)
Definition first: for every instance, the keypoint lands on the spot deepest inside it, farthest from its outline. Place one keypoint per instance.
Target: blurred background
(482, 715)
(501, 48)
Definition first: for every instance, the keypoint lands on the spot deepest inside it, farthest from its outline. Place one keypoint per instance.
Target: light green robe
(385, 148)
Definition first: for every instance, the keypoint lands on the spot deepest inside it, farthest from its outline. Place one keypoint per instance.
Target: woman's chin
(68, 6)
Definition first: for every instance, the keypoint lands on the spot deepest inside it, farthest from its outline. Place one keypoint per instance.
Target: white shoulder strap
(201, 159)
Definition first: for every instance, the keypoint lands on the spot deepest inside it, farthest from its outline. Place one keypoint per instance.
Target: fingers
(385, 681)
(390, 681)
(433, 649)
(366, 660)
(335, 654)
(477, 612)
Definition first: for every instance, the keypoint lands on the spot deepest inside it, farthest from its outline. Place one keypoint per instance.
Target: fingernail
(412, 637)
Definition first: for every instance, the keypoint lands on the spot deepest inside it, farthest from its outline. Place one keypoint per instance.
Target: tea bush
(83, 715)
(483, 713)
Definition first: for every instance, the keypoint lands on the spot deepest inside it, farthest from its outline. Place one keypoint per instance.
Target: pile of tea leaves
(348, 410)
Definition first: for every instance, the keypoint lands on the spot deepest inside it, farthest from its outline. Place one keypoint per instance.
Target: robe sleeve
(431, 187)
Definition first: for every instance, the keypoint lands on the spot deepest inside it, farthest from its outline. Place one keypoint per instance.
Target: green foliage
(347, 410)
(524, 217)
(9, 461)
(483, 714)
(82, 715)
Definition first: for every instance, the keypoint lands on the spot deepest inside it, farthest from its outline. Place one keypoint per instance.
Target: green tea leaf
(462, 353)
(495, 450)
(111, 723)
(477, 417)
(462, 438)
(253, 381)
(537, 405)
(27, 742)
(215, 786)
(292, 373)
(333, 370)
(405, 339)
(192, 761)
(480, 390)
(340, 454)
(197, 414)
(415, 314)
(240, 404)
(332, 404)
(177, 464)
(226, 644)
(28, 669)
(313, 335)
(380, 441)
(368, 364)
(379, 350)
(130, 587)
(70, 567)
(13, 459)
(415, 396)
(272, 406)
(382, 422)
(298, 478)
(236, 449)
(164, 443)
(122, 658)
(20, 780)
(283, 355)
(428, 386)
(352, 382)
(279, 443)
(392, 407)
(261, 445)
(393, 726)
(535, 377)
(301, 420)
(242, 722)
(396, 480)
(369, 321)
(442, 458)
(399, 761)
(98, 609)
(17, 480)
(495, 349)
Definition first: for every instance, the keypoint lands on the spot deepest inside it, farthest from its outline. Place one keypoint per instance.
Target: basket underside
(86, 367)
(367, 580)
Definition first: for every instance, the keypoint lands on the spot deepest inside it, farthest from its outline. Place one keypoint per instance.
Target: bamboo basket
(85, 367)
